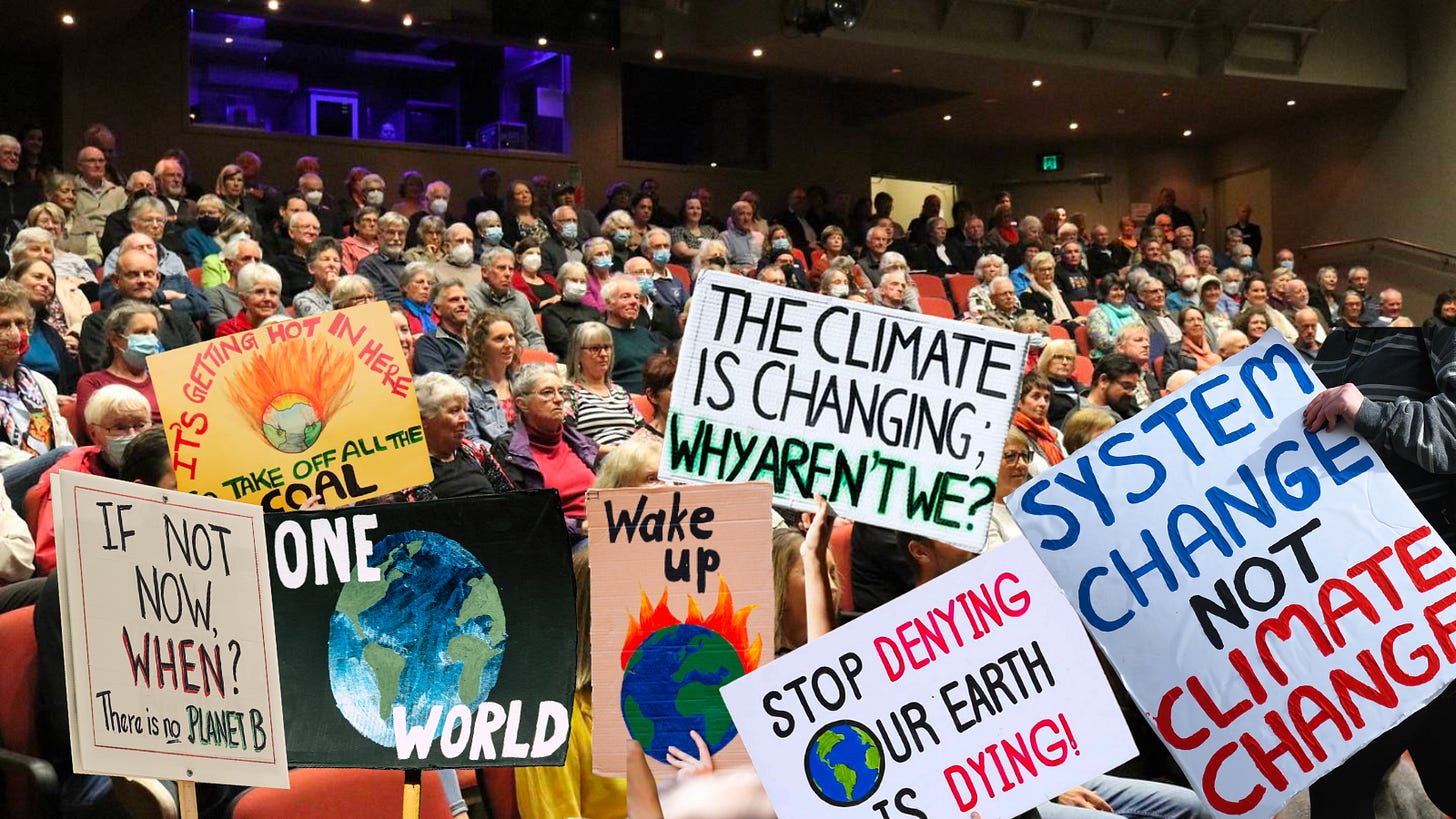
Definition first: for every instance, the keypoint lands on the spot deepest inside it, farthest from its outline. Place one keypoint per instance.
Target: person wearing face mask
(114, 415)
(564, 243)
(437, 204)
(488, 228)
(383, 267)
(538, 287)
(458, 260)
(311, 188)
(1245, 260)
(34, 432)
(561, 318)
(655, 312)
(131, 336)
(201, 239)
(371, 191)
(712, 255)
(666, 277)
(1186, 294)
(617, 229)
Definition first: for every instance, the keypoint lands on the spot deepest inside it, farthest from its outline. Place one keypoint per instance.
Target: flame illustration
(298, 372)
(729, 623)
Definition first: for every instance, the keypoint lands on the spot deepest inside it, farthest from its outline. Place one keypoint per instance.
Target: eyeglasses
(1016, 456)
(597, 348)
(1063, 357)
(549, 392)
(128, 429)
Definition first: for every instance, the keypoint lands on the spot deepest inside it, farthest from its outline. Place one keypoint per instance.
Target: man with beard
(383, 267)
(1114, 387)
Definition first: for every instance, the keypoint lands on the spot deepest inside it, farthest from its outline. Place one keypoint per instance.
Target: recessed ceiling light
(68, 20)
(990, 100)
(946, 117)
(274, 5)
(540, 41)
(1166, 94)
(895, 71)
(227, 41)
(757, 52)
(1036, 83)
(407, 20)
(657, 55)
(1290, 103)
(712, 164)
(1122, 110)
(1187, 132)
(1072, 125)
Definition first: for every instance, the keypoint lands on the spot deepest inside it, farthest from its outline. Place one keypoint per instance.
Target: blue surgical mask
(660, 257)
(601, 262)
(1246, 262)
(493, 235)
(645, 287)
(1287, 264)
(568, 231)
(138, 347)
(780, 245)
(620, 237)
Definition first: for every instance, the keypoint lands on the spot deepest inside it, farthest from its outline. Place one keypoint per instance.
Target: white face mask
(839, 291)
(573, 290)
(374, 198)
(439, 206)
(313, 198)
(531, 263)
(462, 255)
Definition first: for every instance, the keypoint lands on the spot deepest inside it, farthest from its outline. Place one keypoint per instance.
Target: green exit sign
(1051, 162)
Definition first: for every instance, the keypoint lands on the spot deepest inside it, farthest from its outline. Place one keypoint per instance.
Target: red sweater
(562, 470)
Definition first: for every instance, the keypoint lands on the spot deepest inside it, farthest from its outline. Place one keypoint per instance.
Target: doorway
(1251, 188)
(909, 194)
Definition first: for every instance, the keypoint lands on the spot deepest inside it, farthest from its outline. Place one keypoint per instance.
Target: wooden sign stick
(187, 799)
(412, 794)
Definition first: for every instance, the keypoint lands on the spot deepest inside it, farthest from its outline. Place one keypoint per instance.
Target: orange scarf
(1042, 434)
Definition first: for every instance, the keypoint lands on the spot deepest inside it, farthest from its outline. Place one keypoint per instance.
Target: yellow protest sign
(323, 405)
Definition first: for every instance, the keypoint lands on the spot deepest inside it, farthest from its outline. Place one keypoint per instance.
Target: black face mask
(718, 261)
(208, 224)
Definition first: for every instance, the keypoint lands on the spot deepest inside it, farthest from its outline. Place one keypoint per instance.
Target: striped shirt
(607, 419)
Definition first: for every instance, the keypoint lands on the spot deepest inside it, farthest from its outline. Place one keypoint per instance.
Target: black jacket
(176, 331)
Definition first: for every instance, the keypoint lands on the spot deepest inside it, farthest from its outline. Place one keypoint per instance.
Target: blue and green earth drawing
(671, 686)
(843, 763)
(430, 632)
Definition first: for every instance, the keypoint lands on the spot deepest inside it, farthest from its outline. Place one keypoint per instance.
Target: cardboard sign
(426, 635)
(682, 603)
(171, 665)
(897, 418)
(323, 405)
(976, 691)
(1271, 598)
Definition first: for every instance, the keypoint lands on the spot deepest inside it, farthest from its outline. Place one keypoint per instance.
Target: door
(1251, 188)
(910, 194)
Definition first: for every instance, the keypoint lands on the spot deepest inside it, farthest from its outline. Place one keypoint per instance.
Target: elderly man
(136, 279)
(497, 268)
(275, 239)
(292, 265)
(564, 243)
(657, 248)
(1154, 265)
(383, 267)
(437, 203)
(1387, 310)
(459, 264)
(744, 243)
(877, 243)
(972, 242)
(118, 222)
(311, 188)
(1134, 342)
(443, 351)
(222, 299)
(892, 291)
(935, 254)
(662, 316)
(1103, 255)
(17, 194)
(1182, 252)
(774, 275)
(1249, 233)
(1308, 334)
(96, 196)
(1245, 260)
(1164, 332)
(565, 194)
(260, 200)
(632, 341)
(1232, 238)
(1005, 307)
(171, 182)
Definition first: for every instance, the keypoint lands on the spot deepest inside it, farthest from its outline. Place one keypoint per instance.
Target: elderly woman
(712, 255)
(601, 262)
(775, 241)
(488, 226)
(76, 236)
(324, 262)
(48, 216)
(1031, 418)
(1112, 313)
(415, 283)
(431, 247)
(542, 450)
(835, 281)
(260, 288)
(688, 237)
(832, 245)
(114, 416)
(1058, 363)
(363, 241)
(978, 299)
(1017, 455)
(351, 291)
(34, 433)
(1211, 302)
(560, 319)
(131, 336)
(1252, 323)
(69, 305)
(490, 360)
(201, 239)
(229, 188)
(461, 466)
(48, 352)
(658, 373)
(599, 408)
(617, 229)
(1196, 351)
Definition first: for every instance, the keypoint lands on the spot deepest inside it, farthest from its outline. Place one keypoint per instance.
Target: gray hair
(488, 258)
(235, 245)
(412, 270)
(485, 216)
(528, 378)
(114, 398)
(322, 245)
(348, 289)
(27, 238)
(144, 204)
(893, 259)
(560, 211)
(587, 333)
(6, 139)
(54, 181)
(293, 220)
(390, 218)
(211, 199)
(441, 286)
(657, 231)
(434, 390)
(586, 247)
(431, 223)
(254, 273)
(616, 284)
(569, 267)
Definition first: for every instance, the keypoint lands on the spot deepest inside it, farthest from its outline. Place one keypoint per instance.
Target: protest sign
(682, 603)
(976, 691)
(426, 635)
(323, 405)
(1271, 598)
(167, 620)
(897, 418)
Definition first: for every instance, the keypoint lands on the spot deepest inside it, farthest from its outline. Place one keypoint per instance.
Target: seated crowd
(543, 338)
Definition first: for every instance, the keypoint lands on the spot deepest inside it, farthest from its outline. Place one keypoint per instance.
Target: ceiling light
(895, 71)
(1036, 83)
(68, 20)
(757, 52)
(274, 5)
(1072, 126)
(712, 164)
(1166, 94)
(227, 41)
(1290, 103)
(946, 117)
(407, 20)
(990, 100)
(540, 41)
(1187, 132)
(657, 55)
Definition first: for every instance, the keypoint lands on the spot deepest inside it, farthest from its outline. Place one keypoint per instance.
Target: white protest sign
(897, 418)
(976, 691)
(171, 665)
(1271, 598)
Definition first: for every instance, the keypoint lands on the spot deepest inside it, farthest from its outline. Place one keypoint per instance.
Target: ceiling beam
(1028, 17)
(1094, 24)
(1095, 14)
(947, 8)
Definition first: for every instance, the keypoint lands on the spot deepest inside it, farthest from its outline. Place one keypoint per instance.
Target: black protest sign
(426, 635)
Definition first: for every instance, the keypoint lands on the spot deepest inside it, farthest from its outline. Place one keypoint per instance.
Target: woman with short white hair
(461, 466)
(260, 288)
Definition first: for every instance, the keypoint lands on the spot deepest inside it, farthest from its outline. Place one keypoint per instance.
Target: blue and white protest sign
(1271, 598)
(976, 691)
(897, 418)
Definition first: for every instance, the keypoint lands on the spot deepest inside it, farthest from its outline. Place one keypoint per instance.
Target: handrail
(1446, 257)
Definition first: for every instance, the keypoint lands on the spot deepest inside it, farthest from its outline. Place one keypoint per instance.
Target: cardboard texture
(682, 602)
(323, 405)
(897, 418)
(171, 662)
(426, 635)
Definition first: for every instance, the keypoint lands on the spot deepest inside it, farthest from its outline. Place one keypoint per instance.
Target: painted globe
(671, 686)
(290, 423)
(844, 763)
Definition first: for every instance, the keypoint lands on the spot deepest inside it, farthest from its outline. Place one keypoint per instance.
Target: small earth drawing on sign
(844, 763)
(430, 632)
